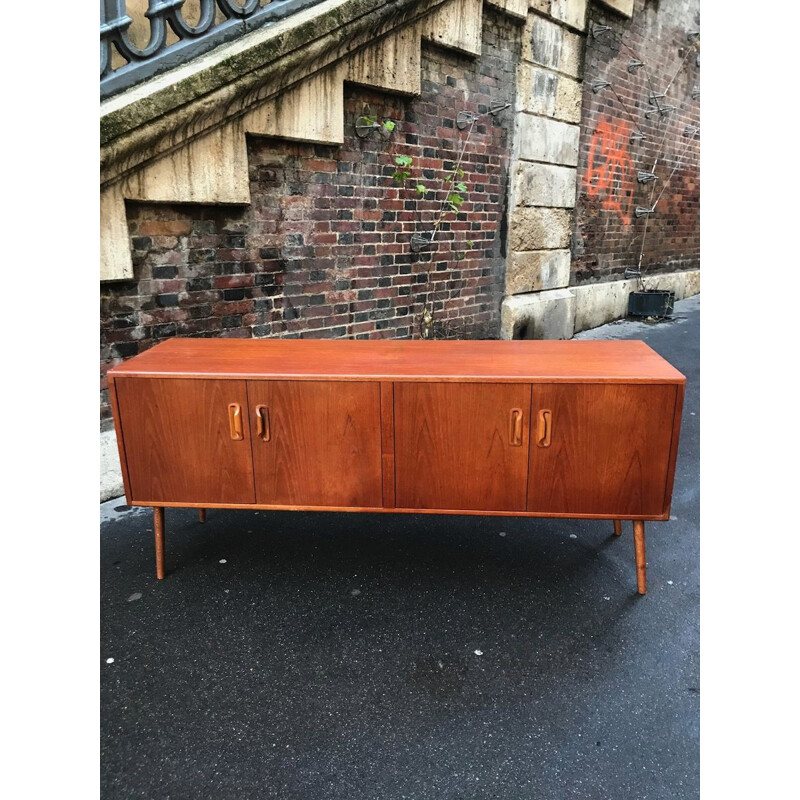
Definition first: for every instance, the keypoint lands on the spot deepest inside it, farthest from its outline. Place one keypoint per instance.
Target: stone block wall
(323, 249)
(543, 193)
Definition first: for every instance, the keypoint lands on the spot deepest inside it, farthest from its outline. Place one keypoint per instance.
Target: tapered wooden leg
(158, 525)
(641, 563)
(201, 514)
(617, 527)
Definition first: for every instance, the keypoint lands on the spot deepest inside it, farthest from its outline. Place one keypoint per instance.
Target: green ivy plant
(368, 123)
(455, 191)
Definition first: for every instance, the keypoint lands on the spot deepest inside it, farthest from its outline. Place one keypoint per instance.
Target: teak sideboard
(518, 428)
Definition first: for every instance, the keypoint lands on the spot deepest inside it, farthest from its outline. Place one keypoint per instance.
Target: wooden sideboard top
(628, 361)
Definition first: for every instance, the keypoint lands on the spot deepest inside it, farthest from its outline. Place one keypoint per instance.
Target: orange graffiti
(610, 174)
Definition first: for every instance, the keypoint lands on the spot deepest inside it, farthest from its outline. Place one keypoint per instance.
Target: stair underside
(205, 161)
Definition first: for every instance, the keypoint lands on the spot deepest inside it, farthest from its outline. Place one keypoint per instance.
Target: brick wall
(607, 236)
(323, 249)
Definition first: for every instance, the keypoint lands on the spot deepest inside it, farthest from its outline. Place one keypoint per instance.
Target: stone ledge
(110, 470)
(560, 313)
(599, 303)
(542, 315)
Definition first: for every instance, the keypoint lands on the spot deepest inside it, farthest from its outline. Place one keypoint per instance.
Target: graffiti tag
(610, 174)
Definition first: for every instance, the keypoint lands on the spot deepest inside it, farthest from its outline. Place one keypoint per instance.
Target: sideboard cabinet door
(316, 443)
(186, 440)
(461, 445)
(601, 448)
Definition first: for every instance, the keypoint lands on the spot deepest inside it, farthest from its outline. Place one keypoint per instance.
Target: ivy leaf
(388, 125)
(470, 243)
(400, 175)
(454, 199)
(460, 173)
(460, 256)
(403, 161)
(461, 187)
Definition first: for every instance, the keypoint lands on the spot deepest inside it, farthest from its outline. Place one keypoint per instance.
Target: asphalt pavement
(317, 656)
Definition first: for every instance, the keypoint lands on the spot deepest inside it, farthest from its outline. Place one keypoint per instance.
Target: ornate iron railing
(158, 55)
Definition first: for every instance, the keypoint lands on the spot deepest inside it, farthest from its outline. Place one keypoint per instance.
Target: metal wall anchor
(634, 65)
(691, 131)
(696, 93)
(645, 177)
(638, 137)
(496, 108)
(419, 241)
(663, 110)
(598, 85)
(366, 126)
(598, 30)
(643, 212)
(654, 98)
(630, 272)
(464, 119)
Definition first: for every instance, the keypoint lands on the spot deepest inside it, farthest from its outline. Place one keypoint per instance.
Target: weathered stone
(536, 270)
(598, 303)
(392, 63)
(457, 25)
(543, 139)
(539, 228)
(110, 471)
(544, 185)
(570, 12)
(514, 8)
(542, 91)
(692, 283)
(552, 46)
(542, 315)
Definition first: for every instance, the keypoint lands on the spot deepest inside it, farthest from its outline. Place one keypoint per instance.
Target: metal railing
(218, 21)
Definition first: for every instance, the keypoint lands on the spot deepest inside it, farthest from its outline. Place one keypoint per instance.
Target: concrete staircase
(181, 137)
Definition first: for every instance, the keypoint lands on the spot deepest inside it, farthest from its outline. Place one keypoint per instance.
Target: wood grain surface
(453, 448)
(387, 443)
(345, 359)
(609, 450)
(324, 445)
(177, 441)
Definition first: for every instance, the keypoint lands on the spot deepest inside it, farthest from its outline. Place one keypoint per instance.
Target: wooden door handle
(262, 423)
(515, 433)
(235, 420)
(544, 427)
